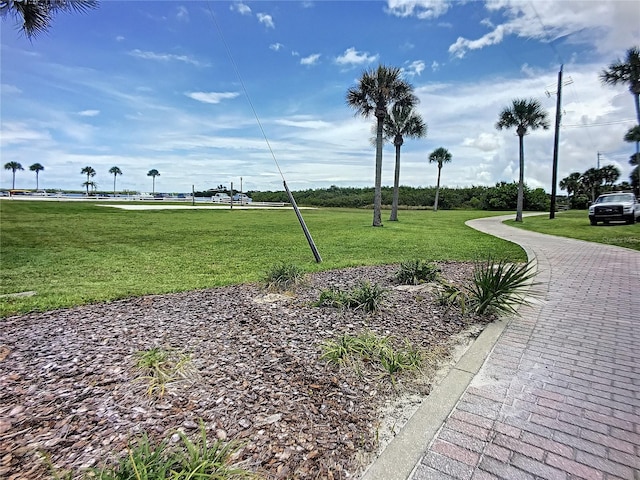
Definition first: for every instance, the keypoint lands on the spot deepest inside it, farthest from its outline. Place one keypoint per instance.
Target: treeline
(502, 196)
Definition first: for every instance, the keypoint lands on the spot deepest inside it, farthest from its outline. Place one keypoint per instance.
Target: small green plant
(283, 277)
(369, 348)
(188, 460)
(450, 295)
(367, 296)
(414, 272)
(144, 461)
(333, 297)
(160, 367)
(499, 287)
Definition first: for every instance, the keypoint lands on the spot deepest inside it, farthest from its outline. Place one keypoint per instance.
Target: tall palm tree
(115, 171)
(524, 115)
(376, 90)
(14, 167)
(89, 172)
(626, 72)
(36, 167)
(402, 121)
(441, 156)
(35, 16)
(153, 173)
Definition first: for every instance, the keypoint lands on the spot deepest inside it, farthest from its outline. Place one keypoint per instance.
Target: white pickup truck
(615, 207)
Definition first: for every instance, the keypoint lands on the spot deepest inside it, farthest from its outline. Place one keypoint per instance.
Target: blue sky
(150, 85)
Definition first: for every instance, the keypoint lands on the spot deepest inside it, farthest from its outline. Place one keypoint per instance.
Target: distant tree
(524, 115)
(591, 181)
(115, 171)
(153, 173)
(89, 172)
(401, 122)
(626, 72)
(35, 16)
(440, 156)
(376, 90)
(14, 167)
(36, 167)
(610, 175)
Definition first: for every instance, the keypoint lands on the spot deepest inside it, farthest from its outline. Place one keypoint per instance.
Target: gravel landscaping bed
(69, 387)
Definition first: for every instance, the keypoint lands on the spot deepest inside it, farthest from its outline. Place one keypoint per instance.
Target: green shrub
(414, 272)
(161, 366)
(499, 287)
(366, 296)
(283, 277)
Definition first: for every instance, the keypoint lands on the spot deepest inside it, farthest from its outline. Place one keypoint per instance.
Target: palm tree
(153, 173)
(441, 156)
(571, 184)
(36, 167)
(89, 172)
(633, 136)
(401, 122)
(36, 17)
(376, 90)
(591, 181)
(14, 167)
(626, 72)
(115, 171)
(610, 175)
(524, 115)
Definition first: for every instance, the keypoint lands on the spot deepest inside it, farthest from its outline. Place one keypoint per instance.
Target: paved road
(559, 395)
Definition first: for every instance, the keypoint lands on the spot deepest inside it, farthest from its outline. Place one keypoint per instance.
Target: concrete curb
(402, 455)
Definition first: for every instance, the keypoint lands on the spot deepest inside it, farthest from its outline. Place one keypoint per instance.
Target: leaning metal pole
(316, 254)
(556, 140)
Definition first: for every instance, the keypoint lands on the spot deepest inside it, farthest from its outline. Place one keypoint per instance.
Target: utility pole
(556, 141)
(598, 164)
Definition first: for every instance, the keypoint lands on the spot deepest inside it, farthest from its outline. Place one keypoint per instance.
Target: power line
(587, 125)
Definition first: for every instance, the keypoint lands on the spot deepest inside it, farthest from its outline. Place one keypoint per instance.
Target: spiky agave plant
(499, 287)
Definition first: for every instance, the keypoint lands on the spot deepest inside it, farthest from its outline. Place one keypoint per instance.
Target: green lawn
(575, 224)
(74, 253)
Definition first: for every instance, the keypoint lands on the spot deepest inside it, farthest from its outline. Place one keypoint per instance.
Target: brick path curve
(559, 396)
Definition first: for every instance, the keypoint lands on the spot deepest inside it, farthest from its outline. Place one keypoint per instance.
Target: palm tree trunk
(14, 181)
(636, 98)
(114, 183)
(377, 195)
(435, 204)
(396, 187)
(520, 201)
(37, 182)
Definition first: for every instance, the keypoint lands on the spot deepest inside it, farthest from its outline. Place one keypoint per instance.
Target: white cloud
(212, 97)
(423, 9)
(266, 20)
(615, 23)
(89, 113)
(7, 89)
(305, 122)
(241, 8)
(276, 46)
(182, 14)
(435, 66)
(165, 57)
(486, 142)
(310, 60)
(414, 68)
(18, 133)
(352, 57)
(119, 38)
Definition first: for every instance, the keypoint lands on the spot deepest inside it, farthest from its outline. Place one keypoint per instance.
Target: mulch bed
(69, 387)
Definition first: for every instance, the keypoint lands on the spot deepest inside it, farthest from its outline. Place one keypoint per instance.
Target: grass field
(575, 224)
(74, 253)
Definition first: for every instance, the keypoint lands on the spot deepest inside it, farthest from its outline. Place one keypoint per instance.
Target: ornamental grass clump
(160, 366)
(415, 272)
(365, 296)
(283, 277)
(189, 459)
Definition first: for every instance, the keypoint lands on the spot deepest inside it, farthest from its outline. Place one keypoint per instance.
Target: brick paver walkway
(559, 396)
